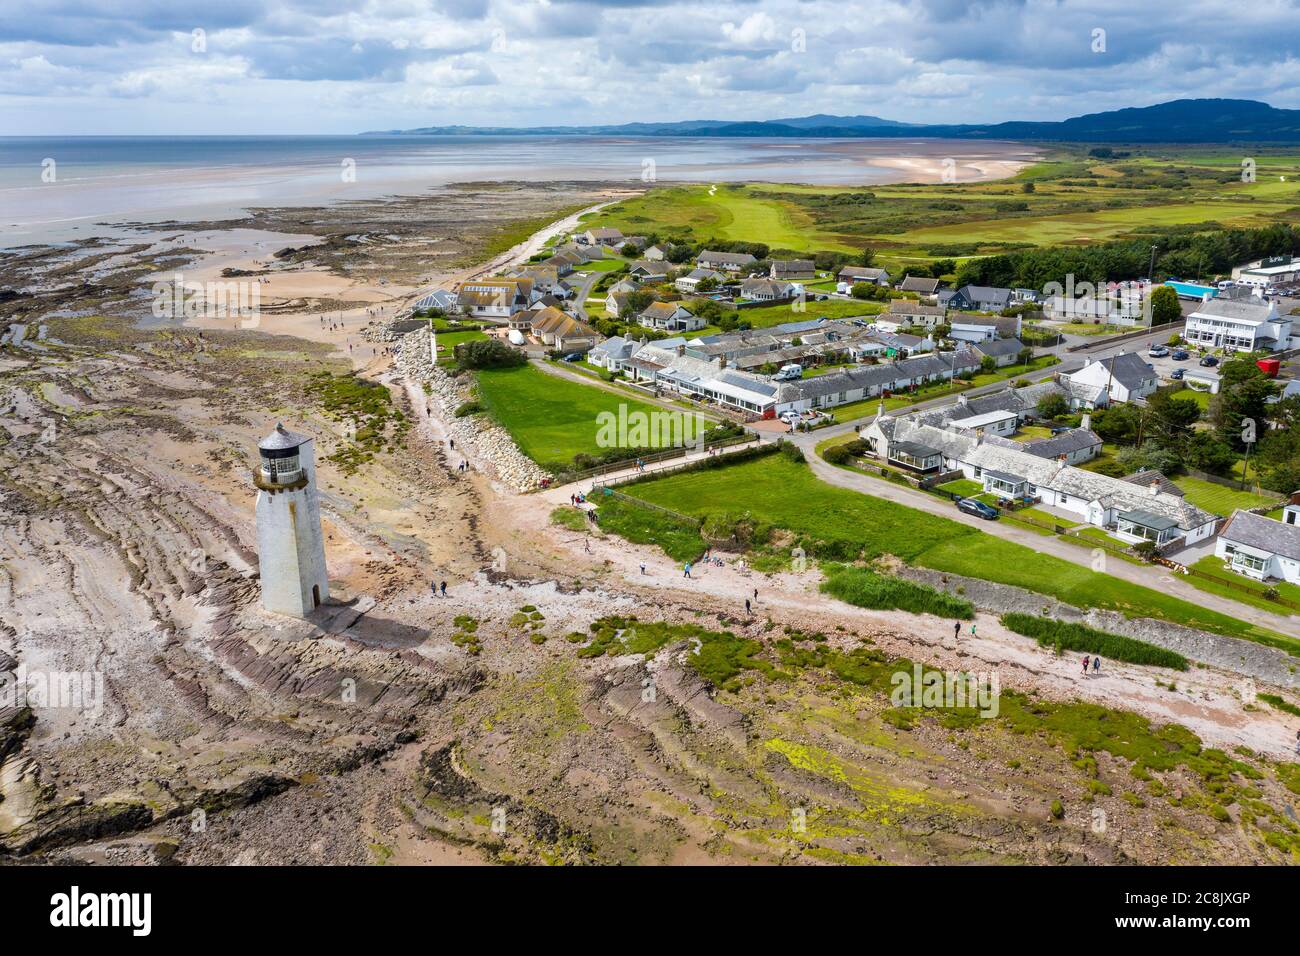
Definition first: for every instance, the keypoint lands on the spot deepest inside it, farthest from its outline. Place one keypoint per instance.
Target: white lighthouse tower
(290, 547)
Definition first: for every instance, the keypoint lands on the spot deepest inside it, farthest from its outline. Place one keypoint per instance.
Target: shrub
(469, 408)
(865, 588)
(489, 353)
(1063, 635)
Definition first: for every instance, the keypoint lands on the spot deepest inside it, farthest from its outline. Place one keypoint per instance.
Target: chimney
(722, 361)
(961, 398)
(1086, 421)
(880, 413)
(681, 349)
(1155, 487)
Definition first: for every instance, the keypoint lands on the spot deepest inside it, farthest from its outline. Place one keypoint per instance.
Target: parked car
(977, 508)
(790, 417)
(1209, 361)
(1176, 375)
(573, 357)
(1158, 351)
(1181, 355)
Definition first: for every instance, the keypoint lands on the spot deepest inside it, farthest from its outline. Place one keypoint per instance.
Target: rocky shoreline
(490, 444)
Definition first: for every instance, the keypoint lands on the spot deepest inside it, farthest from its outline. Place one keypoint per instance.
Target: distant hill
(1178, 121)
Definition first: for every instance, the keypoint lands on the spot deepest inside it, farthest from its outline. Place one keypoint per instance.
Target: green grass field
(1217, 499)
(551, 419)
(1076, 199)
(1241, 588)
(840, 524)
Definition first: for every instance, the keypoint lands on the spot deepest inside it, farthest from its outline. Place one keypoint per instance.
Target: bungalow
(655, 253)
(563, 262)
(1124, 377)
(788, 269)
(979, 298)
(562, 331)
(852, 275)
(690, 282)
(768, 290)
(988, 423)
(670, 317)
(724, 261)
(1002, 351)
(600, 237)
(1261, 547)
(921, 285)
(1008, 470)
(613, 353)
(645, 270)
(1072, 447)
(981, 328)
(905, 312)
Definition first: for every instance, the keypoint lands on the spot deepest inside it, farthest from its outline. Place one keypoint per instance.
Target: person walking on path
(643, 567)
(747, 610)
(443, 588)
(956, 630)
(1096, 663)
(1085, 665)
(755, 594)
(686, 570)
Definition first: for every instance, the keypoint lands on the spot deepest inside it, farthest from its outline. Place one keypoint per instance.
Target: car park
(979, 509)
(1158, 351)
(1181, 355)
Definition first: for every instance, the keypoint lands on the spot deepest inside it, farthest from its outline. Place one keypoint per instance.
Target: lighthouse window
(282, 466)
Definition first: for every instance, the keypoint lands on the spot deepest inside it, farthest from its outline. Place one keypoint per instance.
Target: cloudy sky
(341, 66)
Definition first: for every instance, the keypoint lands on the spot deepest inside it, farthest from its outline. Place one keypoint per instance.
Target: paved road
(1152, 576)
(582, 291)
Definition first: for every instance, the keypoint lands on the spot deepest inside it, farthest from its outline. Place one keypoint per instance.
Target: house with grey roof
(724, 261)
(850, 276)
(1073, 447)
(1002, 351)
(1125, 377)
(978, 298)
(690, 283)
(791, 269)
(1260, 547)
(768, 290)
(1011, 470)
(921, 285)
(613, 352)
(1239, 324)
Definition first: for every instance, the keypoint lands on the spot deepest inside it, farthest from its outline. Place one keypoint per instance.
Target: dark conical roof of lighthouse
(281, 439)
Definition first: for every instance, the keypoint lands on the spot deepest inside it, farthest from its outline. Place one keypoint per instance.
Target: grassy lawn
(1254, 596)
(988, 378)
(841, 524)
(602, 265)
(766, 316)
(1217, 499)
(551, 419)
(962, 486)
(1027, 432)
(1200, 397)
(447, 342)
